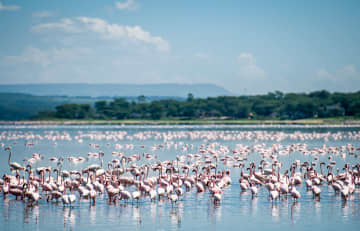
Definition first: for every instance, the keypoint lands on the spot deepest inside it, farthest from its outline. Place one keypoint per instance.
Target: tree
(189, 110)
(156, 110)
(190, 97)
(68, 111)
(279, 95)
(120, 108)
(242, 112)
(141, 99)
(320, 94)
(272, 105)
(73, 111)
(100, 105)
(84, 111)
(102, 109)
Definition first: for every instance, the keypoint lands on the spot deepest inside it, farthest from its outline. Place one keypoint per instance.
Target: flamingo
(136, 195)
(217, 197)
(68, 199)
(294, 193)
(161, 191)
(152, 194)
(274, 194)
(125, 195)
(32, 194)
(174, 198)
(254, 190)
(344, 192)
(13, 165)
(316, 191)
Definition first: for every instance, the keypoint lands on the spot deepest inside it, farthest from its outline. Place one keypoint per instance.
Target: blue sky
(248, 47)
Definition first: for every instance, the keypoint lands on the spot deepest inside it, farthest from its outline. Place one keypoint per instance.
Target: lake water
(194, 211)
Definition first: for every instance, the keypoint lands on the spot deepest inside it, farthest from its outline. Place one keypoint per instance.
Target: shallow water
(237, 210)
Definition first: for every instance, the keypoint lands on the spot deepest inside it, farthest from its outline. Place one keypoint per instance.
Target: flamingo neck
(278, 176)
(123, 164)
(321, 171)
(42, 177)
(9, 156)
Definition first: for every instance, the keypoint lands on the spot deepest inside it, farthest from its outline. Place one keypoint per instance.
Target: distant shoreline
(326, 121)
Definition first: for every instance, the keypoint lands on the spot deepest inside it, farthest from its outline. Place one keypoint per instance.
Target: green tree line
(274, 105)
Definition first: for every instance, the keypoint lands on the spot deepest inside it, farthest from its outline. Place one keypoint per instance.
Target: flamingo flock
(204, 168)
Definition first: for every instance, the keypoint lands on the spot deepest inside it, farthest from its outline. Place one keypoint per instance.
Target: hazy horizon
(246, 47)
(117, 90)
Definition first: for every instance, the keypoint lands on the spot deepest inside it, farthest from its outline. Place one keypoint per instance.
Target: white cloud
(105, 30)
(29, 55)
(346, 78)
(44, 58)
(128, 5)
(346, 72)
(43, 14)
(97, 62)
(8, 7)
(324, 74)
(87, 49)
(65, 25)
(247, 77)
(246, 59)
(248, 67)
(349, 70)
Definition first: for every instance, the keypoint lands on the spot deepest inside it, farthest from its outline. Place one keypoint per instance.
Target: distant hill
(117, 90)
(15, 106)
